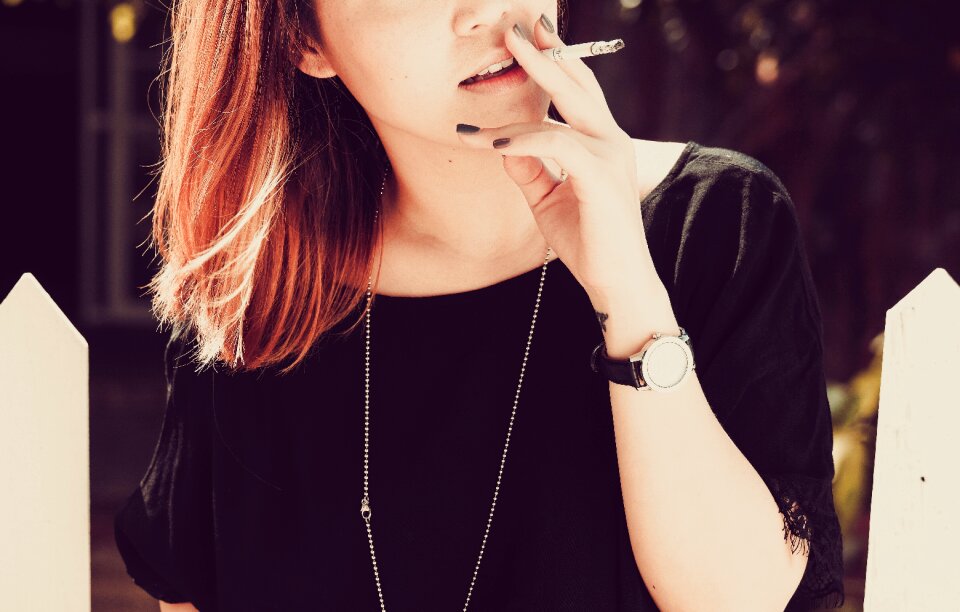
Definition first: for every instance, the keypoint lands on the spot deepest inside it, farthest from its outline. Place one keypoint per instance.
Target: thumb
(532, 176)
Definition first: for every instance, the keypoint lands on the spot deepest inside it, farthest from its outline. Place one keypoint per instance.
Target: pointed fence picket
(44, 455)
(912, 558)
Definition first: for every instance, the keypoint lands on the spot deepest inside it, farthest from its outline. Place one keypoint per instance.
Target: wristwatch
(662, 364)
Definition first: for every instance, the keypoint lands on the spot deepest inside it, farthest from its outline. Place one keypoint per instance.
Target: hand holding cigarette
(590, 219)
(586, 49)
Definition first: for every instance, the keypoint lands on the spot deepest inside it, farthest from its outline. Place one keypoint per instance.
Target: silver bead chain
(365, 506)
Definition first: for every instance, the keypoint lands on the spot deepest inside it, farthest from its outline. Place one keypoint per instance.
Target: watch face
(666, 363)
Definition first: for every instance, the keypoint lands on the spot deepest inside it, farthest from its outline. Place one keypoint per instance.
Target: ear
(314, 63)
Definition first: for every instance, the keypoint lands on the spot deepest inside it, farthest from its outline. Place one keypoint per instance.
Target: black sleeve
(743, 290)
(164, 531)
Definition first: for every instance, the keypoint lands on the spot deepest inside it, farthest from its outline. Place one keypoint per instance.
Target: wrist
(629, 320)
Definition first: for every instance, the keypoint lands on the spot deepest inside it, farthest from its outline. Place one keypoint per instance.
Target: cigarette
(586, 49)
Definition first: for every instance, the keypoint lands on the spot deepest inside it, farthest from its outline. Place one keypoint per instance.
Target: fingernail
(520, 32)
(500, 143)
(466, 128)
(547, 24)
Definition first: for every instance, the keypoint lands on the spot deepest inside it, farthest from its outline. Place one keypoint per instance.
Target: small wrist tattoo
(602, 318)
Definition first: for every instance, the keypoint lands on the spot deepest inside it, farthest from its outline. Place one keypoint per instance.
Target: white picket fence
(44, 437)
(44, 455)
(912, 557)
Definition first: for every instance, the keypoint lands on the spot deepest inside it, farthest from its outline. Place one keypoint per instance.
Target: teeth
(496, 67)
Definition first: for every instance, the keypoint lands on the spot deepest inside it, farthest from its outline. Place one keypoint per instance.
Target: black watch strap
(621, 372)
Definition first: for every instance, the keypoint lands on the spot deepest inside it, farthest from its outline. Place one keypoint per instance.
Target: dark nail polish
(520, 32)
(499, 143)
(547, 24)
(466, 128)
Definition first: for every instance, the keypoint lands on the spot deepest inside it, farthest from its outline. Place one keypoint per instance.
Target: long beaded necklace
(366, 510)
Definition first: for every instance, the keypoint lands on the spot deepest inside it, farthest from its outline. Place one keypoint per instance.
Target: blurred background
(854, 104)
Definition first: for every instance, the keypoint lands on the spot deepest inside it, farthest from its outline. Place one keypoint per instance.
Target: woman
(321, 166)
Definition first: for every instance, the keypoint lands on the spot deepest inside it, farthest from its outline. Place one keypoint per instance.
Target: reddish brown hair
(268, 184)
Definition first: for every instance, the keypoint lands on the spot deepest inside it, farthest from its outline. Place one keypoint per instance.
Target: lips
(500, 83)
(492, 75)
(501, 56)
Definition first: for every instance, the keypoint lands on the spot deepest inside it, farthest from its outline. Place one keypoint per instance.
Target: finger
(485, 137)
(513, 164)
(559, 145)
(579, 108)
(534, 178)
(547, 38)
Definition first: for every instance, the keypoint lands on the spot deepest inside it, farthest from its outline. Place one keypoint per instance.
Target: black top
(252, 498)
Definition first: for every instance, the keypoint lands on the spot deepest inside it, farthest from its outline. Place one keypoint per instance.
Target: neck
(455, 203)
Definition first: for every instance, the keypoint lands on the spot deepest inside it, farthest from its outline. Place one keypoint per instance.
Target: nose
(475, 15)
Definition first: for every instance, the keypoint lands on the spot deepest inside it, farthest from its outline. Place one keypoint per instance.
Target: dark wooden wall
(855, 105)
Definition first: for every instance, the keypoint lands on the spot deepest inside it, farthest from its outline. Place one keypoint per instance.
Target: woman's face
(404, 60)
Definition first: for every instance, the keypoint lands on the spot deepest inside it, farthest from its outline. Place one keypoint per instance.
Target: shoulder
(705, 183)
(718, 167)
(740, 167)
(222, 411)
(716, 212)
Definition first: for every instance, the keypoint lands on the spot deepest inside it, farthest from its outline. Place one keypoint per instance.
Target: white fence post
(44, 455)
(912, 556)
